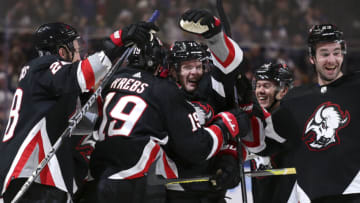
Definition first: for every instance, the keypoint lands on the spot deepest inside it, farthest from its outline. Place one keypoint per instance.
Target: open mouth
(330, 70)
(262, 99)
(193, 82)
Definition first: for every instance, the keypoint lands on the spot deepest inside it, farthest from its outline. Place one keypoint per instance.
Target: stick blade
(272, 172)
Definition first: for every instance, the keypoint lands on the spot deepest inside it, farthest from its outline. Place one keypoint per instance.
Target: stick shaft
(223, 17)
(227, 30)
(268, 172)
(241, 168)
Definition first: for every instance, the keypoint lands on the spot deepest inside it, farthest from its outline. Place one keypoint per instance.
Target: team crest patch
(322, 128)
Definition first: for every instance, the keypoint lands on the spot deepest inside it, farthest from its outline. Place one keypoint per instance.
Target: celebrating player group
(177, 113)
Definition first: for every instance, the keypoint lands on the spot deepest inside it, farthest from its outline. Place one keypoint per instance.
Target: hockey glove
(194, 21)
(137, 33)
(261, 163)
(232, 123)
(225, 172)
(231, 149)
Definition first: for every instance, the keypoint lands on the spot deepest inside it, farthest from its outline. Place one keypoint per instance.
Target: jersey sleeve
(227, 57)
(225, 53)
(279, 131)
(63, 77)
(91, 70)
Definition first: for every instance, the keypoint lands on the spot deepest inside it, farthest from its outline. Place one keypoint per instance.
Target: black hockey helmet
(185, 51)
(51, 36)
(279, 73)
(325, 33)
(148, 57)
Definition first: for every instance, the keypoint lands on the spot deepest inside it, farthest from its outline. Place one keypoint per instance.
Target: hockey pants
(195, 197)
(124, 191)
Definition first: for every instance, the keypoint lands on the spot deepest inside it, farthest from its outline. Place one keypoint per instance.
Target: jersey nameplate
(129, 84)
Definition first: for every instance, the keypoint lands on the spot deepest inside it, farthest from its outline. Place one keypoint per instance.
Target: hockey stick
(74, 120)
(271, 172)
(223, 17)
(159, 180)
(197, 28)
(227, 30)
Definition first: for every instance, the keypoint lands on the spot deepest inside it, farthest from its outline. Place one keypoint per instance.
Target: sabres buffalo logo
(323, 126)
(204, 111)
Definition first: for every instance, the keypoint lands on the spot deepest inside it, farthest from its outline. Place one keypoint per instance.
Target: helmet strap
(277, 91)
(273, 104)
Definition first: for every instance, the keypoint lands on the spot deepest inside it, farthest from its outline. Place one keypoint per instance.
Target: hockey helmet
(51, 36)
(325, 33)
(185, 51)
(279, 73)
(148, 57)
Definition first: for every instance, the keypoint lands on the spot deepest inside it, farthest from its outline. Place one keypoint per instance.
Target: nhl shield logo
(323, 126)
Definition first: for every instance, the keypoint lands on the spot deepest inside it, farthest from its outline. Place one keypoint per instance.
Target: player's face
(190, 74)
(265, 93)
(328, 60)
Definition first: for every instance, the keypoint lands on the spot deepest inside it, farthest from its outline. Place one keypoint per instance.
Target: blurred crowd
(267, 30)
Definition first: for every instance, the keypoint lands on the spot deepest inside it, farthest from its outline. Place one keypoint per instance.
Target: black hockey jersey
(44, 101)
(214, 94)
(142, 112)
(320, 126)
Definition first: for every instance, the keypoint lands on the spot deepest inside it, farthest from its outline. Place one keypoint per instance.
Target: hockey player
(188, 64)
(143, 112)
(272, 82)
(210, 90)
(47, 95)
(319, 123)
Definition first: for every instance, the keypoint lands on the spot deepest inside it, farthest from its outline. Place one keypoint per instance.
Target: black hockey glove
(232, 123)
(137, 33)
(213, 23)
(226, 172)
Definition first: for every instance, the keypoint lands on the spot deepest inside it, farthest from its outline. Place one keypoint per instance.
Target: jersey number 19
(117, 113)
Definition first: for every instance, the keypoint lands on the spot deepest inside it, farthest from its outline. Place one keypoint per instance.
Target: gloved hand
(231, 149)
(226, 172)
(138, 33)
(232, 123)
(261, 162)
(213, 23)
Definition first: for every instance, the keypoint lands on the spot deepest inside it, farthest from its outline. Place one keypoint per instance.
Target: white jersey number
(13, 115)
(117, 113)
(194, 118)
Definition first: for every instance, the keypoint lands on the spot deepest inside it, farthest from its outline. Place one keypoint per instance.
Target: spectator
(5, 101)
